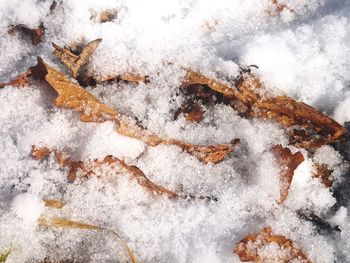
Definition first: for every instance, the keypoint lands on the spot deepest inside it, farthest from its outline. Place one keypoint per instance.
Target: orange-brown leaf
(75, 62)
(72, 96)
(20, 81)
(319, 128)
(107, 15)
(40, 153)
(192, 111)
(323, 172)
(288, 163)
(91, 167)
(250, 248)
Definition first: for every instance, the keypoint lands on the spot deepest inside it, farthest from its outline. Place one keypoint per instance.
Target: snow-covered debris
(139, 73)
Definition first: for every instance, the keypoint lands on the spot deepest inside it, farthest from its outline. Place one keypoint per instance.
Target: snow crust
(304, 53)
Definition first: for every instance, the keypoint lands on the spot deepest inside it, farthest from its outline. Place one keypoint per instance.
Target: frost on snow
(174, 131)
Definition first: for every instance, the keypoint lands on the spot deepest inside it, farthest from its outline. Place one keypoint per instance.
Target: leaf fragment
(73, 61)
(323, 172)
(35, 34)
(277, 6)
(309, 128)
(53, 203)
(192, 111)
(20, 81)
(288, 162)
(128, 77)
(67, 223)
(39, 153)
(251, 248)
(92, 167)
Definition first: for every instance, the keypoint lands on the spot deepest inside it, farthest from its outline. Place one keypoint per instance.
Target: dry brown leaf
(20, 81)
(251, 248)
(53, 203)
(74, 97)
(107, 15)
(192, 111)
(288, 163)
(323, 172)
(280, 7)
(313, 128)
(35, 34)
(66, 223)
(207, 154)
(40, 153)
(73, 61)
(89, 168)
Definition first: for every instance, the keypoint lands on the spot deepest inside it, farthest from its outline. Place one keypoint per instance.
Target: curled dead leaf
(251, 248)
(207, 154)
(310, 128)
(288, 163)
(74, 62)
(74, 97)
(35, 34)
(92, 167)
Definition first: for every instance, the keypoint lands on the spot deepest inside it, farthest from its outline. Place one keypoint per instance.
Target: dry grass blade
(4, 255)
(66, 223)
(288, 162)
(75, 62)
(313, 128)
(250, 248)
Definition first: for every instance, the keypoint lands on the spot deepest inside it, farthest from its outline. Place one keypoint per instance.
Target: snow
(304, 53)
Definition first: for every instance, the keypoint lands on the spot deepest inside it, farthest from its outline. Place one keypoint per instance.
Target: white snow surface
(304, 53)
